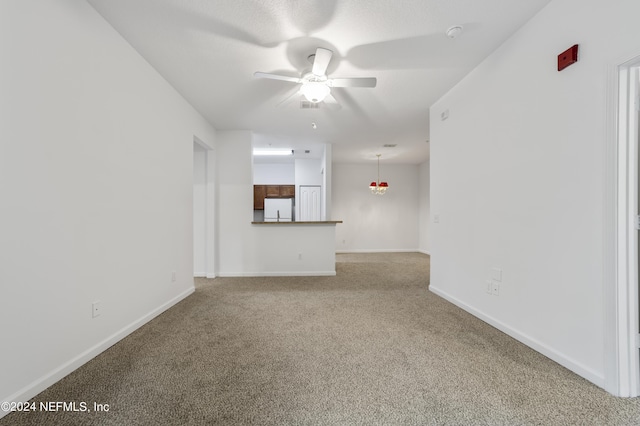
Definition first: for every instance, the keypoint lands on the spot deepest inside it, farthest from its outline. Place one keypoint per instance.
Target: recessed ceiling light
(314, 126)
(454, 31)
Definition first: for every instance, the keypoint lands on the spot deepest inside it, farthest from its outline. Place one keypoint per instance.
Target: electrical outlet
(496, 289)
(489, 287)
(95, 309)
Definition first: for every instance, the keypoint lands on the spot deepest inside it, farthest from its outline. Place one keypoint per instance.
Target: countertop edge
(319, 222)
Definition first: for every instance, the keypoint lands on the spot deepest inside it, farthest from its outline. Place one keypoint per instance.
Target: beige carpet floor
(370, 346)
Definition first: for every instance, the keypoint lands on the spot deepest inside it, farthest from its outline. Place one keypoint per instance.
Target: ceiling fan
(316, 86)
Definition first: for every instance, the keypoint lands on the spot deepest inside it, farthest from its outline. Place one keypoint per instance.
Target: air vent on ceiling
(390, 145)
(305, 104)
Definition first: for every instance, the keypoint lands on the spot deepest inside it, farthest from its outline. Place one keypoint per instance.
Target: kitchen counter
(319, 222)
(303, 248)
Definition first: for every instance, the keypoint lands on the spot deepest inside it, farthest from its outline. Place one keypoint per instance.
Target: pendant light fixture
(378, 188)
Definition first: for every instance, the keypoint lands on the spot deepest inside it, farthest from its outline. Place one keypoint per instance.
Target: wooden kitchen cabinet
(260, 192)
(273, 191)
(287, 191)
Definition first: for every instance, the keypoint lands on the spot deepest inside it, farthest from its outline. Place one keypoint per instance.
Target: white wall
(424, 205)
(517, 181)
(372, 222)
(96, 154)
(259, 250)
(308, 171)
(274, 174)
(235, 200)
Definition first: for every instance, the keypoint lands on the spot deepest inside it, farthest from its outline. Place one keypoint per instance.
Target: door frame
(622, 357)
(209, 208)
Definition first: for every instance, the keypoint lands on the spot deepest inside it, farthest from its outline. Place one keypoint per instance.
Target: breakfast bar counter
(302, 248)
(314, 222)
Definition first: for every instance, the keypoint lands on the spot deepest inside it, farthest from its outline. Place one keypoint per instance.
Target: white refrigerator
(278, 209)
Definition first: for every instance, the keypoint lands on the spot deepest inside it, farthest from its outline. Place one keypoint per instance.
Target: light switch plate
(496, 274)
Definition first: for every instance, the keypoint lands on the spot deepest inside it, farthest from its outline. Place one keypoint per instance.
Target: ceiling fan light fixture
(315, 91)
(315, 85)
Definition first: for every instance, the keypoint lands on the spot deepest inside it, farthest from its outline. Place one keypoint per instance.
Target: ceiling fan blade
(353, 82)
(321, 61)
(277, 77)
(289, 99)
(331, 102)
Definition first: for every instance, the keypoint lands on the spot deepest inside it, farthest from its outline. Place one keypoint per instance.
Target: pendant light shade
(377, 187)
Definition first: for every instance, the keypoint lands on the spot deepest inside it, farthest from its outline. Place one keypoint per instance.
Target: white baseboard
(378, 251)
(424, 252)
(534, 344)
(279, 274)
(37, 386)
(203, 275)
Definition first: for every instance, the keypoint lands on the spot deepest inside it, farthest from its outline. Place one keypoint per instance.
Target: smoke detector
(454, 31)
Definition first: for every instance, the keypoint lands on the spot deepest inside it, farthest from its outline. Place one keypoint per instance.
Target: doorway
(623, 300)
(203, 210)
(633, 111)
(199, 210)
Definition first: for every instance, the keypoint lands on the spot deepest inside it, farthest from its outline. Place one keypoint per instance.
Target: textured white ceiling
(209, 49)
